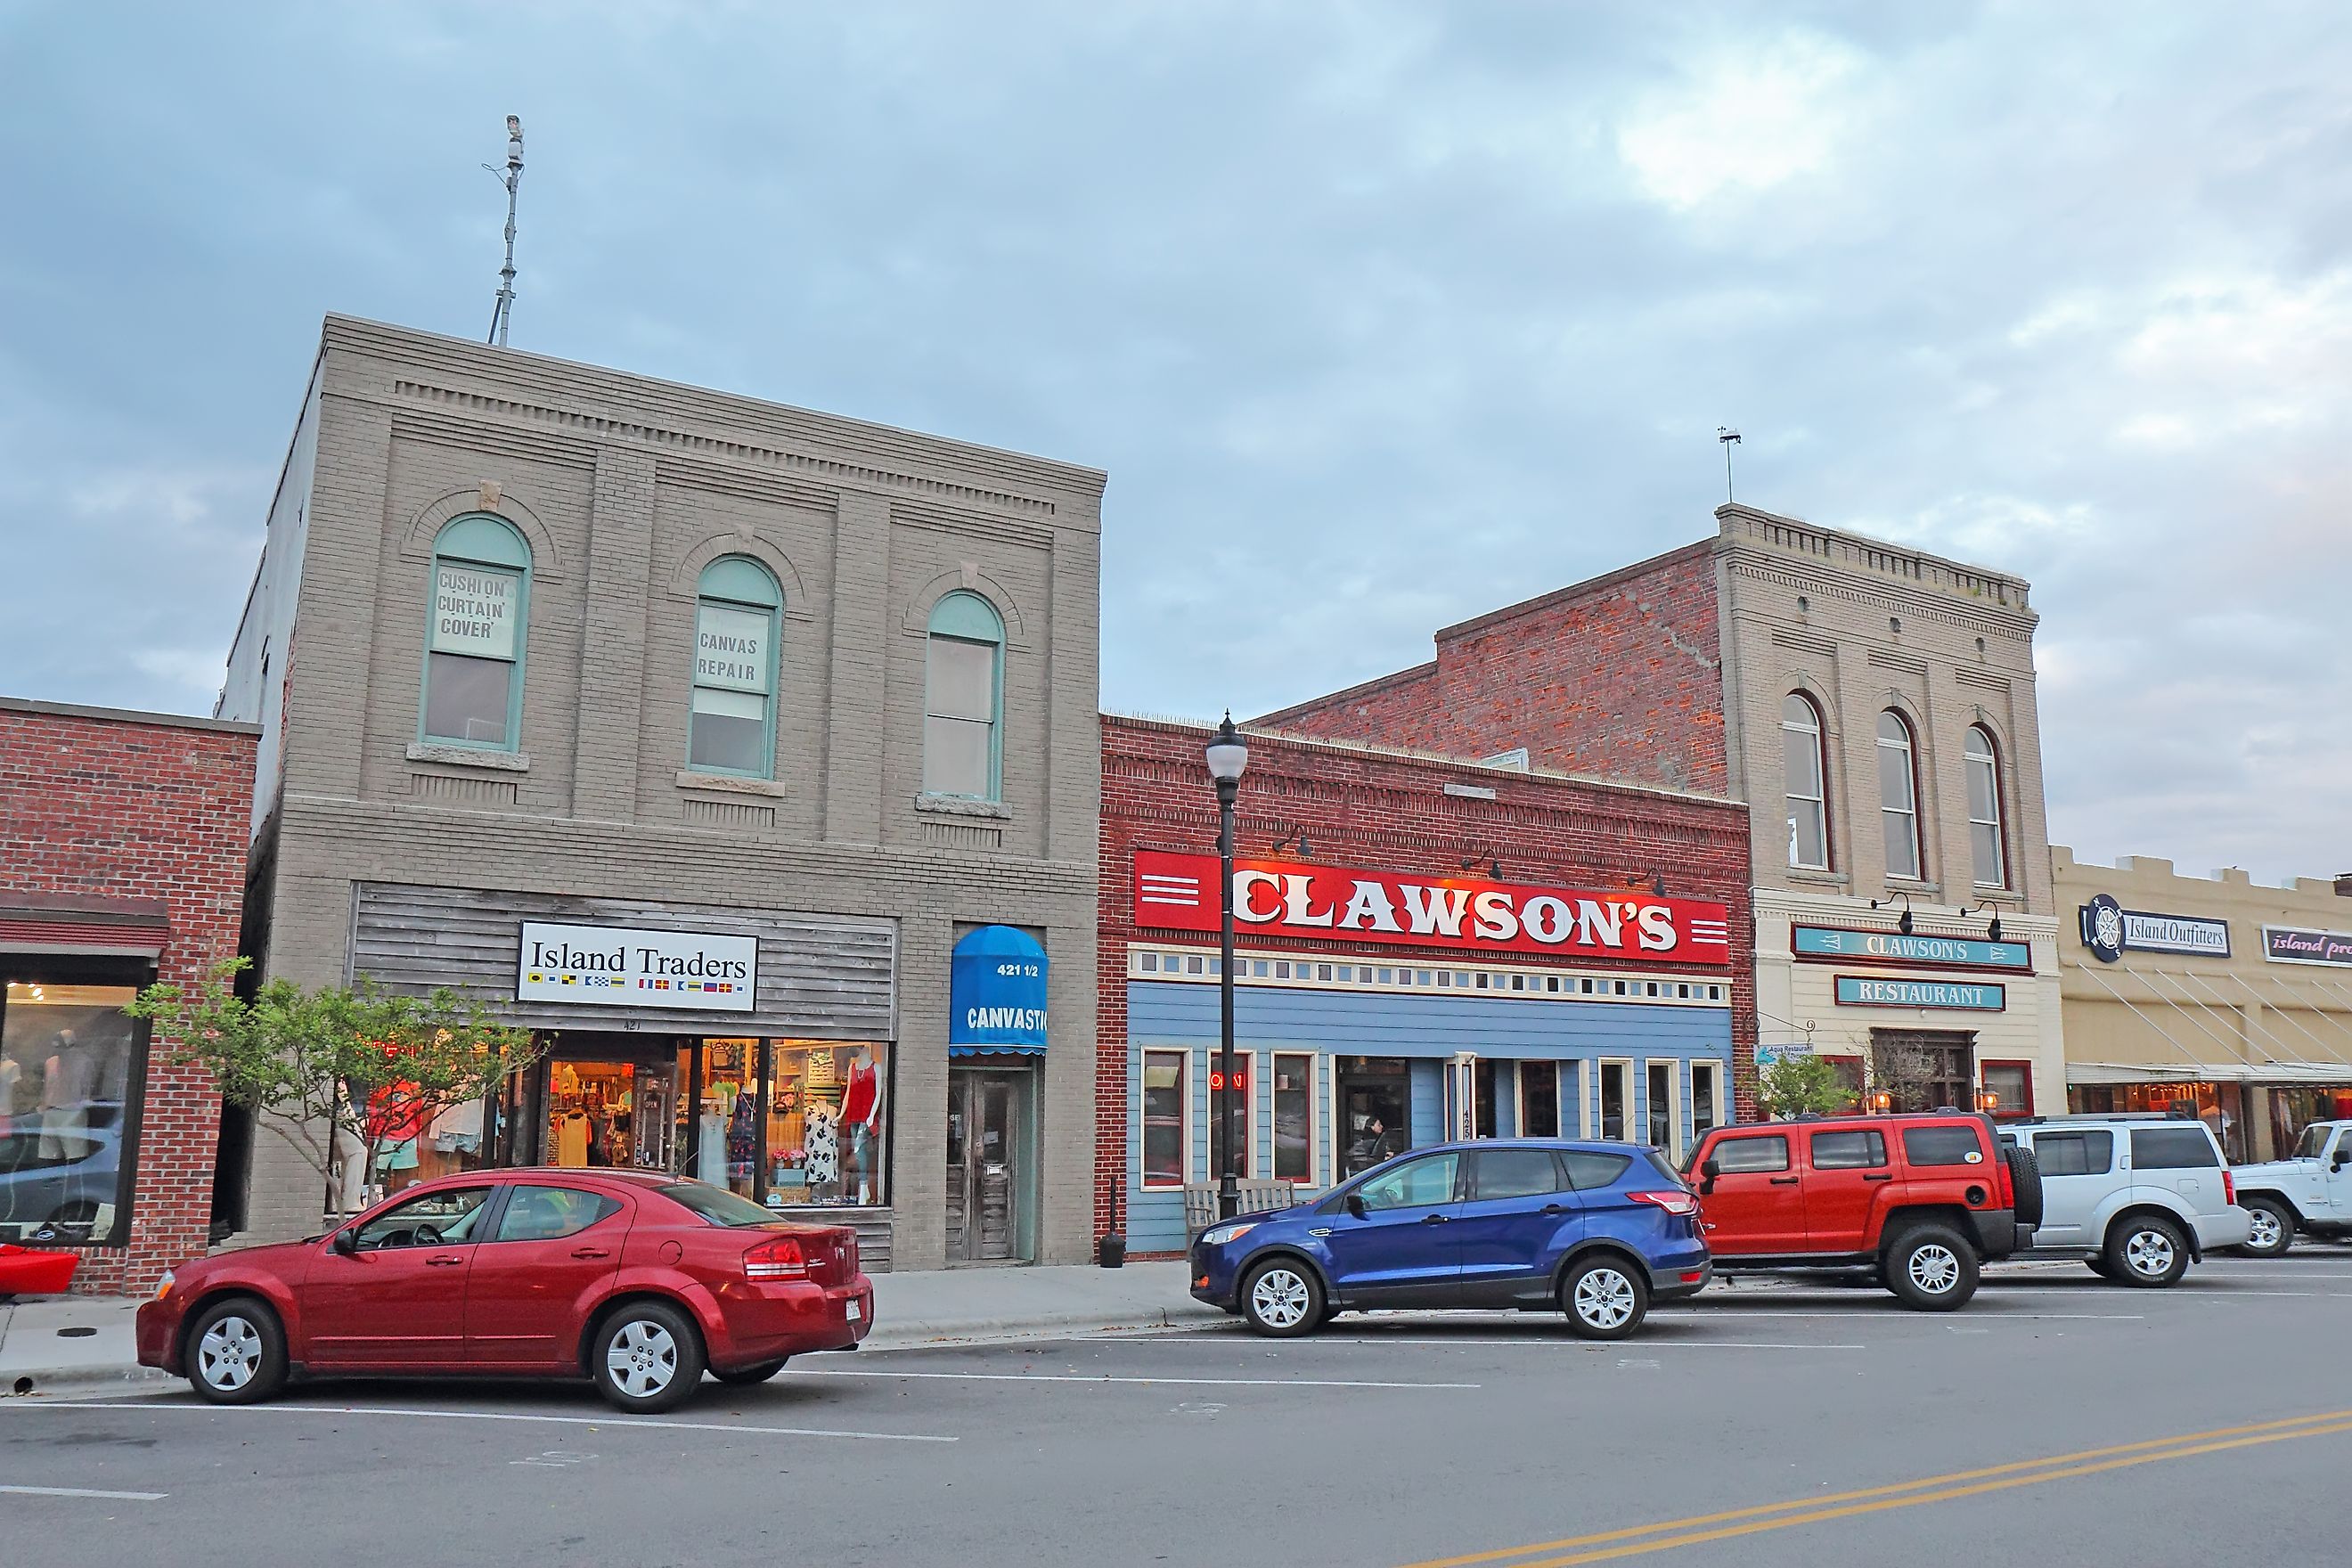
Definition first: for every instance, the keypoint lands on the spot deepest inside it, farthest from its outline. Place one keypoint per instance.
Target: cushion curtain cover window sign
(1801, 735)
(731, 729)
(474, 642)
(1985, 836)
(963, 703)
(1898, 795)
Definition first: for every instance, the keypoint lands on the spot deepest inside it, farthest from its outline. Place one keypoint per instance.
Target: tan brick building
(1873, 705)
(2206, 994)
(698, 731)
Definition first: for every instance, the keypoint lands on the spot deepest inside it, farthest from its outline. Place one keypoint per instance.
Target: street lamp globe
(1227, 754)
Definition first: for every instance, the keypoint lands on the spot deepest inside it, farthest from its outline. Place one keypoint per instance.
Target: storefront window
(827, 1127)
(1662, 1105)
(1539, 1099)
(605, 1112)
(1163, 1119)
(2011, 1087)
(1706, 1099)
(1615, 1092)
(1294, 1119)
(1243, 1102)
(67, 1053)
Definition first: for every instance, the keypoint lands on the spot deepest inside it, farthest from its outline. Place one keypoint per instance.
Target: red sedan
(635, 1281)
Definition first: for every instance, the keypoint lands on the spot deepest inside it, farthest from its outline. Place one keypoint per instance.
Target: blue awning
(996, 1050)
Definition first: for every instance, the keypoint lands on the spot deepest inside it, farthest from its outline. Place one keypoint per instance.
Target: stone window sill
(1819, 877)
(959, 805)
(1911, 885)
(468, 757)
(730, 784)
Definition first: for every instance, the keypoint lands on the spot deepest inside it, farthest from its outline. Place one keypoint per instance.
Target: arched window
(737, 612)
(963, 705)
(1986, 839)
(1809, 808)
(474, 641)
(1899, 795)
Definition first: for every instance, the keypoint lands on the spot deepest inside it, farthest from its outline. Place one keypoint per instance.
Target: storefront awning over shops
(2196, 1015)
(37, 922)
(996, 1050)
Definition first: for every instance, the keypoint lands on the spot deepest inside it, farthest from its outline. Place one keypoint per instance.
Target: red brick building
(123, 853)
(1425, 948)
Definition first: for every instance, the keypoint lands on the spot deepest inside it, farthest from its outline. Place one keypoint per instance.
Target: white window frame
(1674, 1130)
(1909, 747)
(1143, 1180)
(1790, 734)
(1600, 1120)
(1275, 1058)
(1249, 1064)
(1990, 760)
(1714, 1070)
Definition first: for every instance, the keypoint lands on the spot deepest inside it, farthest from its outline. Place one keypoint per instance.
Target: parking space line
(647, 1421)
(1542, 1342)
(1080, 1377)
(84, 1491)
(1893, 1314)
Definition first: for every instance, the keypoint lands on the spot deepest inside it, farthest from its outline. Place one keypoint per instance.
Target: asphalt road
(2056, 1420)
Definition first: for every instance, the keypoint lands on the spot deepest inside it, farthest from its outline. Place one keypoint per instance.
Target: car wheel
(749, 1374)
(1604, 1298)
(2148, 1251)
(237, 1352)
(647, 1357)
(1931, 1270)
(1282, 1299)
(2273, 1229)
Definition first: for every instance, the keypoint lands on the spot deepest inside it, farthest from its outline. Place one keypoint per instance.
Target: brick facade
(134, 811)
(1389, 810)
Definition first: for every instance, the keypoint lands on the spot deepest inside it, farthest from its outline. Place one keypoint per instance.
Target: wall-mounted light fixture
(1294, 839)
(1903, 925)
(1992, 933)
(1493, 866)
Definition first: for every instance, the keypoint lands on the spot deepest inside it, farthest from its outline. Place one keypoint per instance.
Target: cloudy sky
(1379, 316)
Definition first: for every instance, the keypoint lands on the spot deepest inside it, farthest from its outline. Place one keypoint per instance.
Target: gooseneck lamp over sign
(1227, 756)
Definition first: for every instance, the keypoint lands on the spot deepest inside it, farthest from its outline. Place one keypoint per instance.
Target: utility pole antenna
(502, 313)
(1723, 432)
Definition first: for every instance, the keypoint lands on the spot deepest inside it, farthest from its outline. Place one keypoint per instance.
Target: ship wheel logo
(2103, 929)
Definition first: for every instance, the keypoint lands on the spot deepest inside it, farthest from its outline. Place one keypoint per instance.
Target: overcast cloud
(1378, 316)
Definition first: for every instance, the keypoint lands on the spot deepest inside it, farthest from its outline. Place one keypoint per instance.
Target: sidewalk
(83, 1344)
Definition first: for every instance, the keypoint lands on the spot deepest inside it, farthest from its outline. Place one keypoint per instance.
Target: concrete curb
(1033, 1325)
(60, 1382)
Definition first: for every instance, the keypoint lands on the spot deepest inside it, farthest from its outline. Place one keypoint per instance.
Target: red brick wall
(116, 807)
(1619, 677)
(1364, 808)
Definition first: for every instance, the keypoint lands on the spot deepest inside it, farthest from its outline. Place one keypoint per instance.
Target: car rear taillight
(777, 1259)
(2228, 1187)
(1673, 1203)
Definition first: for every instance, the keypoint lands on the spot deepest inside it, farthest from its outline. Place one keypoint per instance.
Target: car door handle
(1882, 1176)
(1784, 1181)
(1554, 1208)
(1432, 1219)
(590, 1252)
(443, 1262)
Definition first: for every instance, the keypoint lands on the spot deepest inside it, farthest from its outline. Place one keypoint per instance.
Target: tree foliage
(336, 1069)
(1794, 1084)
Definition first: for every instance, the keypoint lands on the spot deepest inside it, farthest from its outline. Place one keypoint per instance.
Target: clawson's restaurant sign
(1275, 898)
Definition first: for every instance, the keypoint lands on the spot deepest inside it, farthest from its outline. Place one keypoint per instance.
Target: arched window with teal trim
(475, 639)
(738, 618)
(963, 705)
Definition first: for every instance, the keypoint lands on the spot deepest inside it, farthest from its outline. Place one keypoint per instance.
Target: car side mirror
(347, 1240)
(1708, 1170)
(2341, 1156)
(1356, 1205)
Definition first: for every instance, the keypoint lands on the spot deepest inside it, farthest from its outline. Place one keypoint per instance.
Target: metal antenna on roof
(503, 311)
(1723, 432)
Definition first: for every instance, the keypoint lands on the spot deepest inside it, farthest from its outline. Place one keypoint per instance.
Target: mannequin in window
(861, 1114)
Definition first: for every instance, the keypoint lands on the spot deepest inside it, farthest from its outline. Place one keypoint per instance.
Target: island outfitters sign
(1275, 898)
(2110, 930)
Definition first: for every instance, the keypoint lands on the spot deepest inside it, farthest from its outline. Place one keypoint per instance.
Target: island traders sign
(1961, 995)
(1274, 898)
(1836, 942)
(621, 966)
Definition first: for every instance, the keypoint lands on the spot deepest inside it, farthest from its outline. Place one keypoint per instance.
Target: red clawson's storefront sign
(1178, 892)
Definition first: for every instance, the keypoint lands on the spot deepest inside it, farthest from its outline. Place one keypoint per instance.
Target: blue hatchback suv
(1595, 1230)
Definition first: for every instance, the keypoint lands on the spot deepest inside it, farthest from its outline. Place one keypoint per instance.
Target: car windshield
(717, 1205)
(2313, 1139)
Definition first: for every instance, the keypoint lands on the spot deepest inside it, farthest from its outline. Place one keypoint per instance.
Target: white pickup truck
(2309, 1191)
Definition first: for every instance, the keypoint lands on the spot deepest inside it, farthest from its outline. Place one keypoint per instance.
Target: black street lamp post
(1227, 756)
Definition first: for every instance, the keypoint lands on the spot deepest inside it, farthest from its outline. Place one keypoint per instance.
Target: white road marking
(1892, 1314)
(84, 1491)
(1075, 1377)
(484, 1415)
(1544, 1342)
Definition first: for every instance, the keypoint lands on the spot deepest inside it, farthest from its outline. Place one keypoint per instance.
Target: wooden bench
(1200, 1203)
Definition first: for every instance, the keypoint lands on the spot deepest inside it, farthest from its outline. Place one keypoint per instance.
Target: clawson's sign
(1277, 898)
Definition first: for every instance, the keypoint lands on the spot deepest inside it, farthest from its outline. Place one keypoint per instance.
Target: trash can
(1111, 1251)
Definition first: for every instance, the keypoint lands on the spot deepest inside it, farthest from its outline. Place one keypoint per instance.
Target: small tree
(1800, 1084)
(1904, 1070)
(333, 1069)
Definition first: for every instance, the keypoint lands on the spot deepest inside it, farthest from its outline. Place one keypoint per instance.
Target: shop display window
(68, 1059)
(606, 1113)
(1163, 1119)
(1294, 1119)
(819, 1136)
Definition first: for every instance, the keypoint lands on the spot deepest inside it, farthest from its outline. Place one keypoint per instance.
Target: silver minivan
(2136, 1197)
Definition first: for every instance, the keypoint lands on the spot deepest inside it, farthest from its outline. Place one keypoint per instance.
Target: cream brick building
(541, 643)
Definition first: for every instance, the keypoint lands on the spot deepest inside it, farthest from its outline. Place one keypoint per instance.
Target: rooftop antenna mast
(510, 176)
(1723, 432)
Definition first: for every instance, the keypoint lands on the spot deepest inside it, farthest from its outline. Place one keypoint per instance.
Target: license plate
(857, 1310)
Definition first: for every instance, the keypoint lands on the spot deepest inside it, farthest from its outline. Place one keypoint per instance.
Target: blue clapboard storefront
(1343, 1063)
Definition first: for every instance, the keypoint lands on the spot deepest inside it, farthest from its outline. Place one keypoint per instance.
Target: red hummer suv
(1920, 1201)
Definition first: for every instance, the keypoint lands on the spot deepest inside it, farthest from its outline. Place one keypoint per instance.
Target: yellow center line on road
(1634, 1540)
